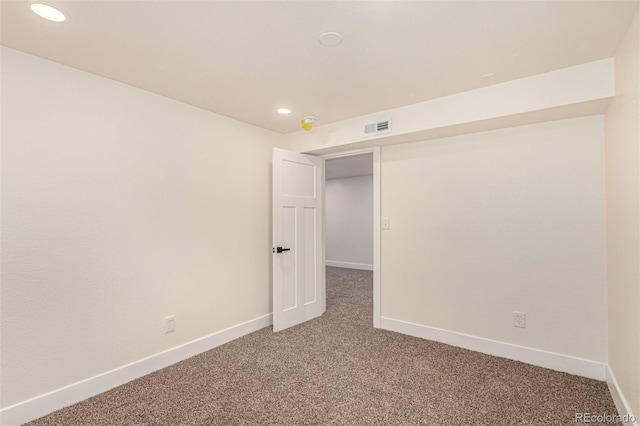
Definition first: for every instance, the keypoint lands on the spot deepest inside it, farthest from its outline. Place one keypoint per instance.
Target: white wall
(349, 222)
(118, 211)
(623, 220)
(509, 220)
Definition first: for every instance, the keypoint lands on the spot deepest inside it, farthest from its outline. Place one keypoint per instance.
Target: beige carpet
(337, 369)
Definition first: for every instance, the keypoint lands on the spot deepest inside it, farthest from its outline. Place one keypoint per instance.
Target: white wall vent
(377, 128)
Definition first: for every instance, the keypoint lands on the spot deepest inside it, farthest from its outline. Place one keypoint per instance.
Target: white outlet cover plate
(519, 319)
(170, 324)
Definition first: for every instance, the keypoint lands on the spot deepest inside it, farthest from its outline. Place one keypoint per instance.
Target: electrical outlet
(170, 324)
(519, 319)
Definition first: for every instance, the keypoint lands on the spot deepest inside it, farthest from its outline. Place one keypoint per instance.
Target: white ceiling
(244, 59)
(354, 165)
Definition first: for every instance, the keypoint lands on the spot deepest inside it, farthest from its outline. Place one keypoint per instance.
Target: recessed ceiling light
(330, 39)
(284, 110)
(48, 12)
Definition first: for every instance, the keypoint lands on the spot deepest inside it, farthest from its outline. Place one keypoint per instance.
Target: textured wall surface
(349, 220)
(119, 208)
(496, 222)
(623, 219)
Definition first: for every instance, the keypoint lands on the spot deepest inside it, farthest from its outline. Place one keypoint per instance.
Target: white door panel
(298, 273)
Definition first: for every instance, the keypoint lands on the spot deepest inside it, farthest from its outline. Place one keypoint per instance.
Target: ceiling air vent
(377, 128)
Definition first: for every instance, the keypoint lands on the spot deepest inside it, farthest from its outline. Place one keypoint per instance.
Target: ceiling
(351, 166)
(245, 59)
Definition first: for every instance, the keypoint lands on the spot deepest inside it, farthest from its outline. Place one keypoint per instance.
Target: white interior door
(298, 239)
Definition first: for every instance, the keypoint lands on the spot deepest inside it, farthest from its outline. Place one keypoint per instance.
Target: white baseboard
(553, 361)
(350, 265)
(44, 404)
(621, 402)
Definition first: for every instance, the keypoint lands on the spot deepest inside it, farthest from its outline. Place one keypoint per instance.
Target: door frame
(377, 297)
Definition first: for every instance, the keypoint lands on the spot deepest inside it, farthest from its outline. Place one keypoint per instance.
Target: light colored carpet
(338, 369)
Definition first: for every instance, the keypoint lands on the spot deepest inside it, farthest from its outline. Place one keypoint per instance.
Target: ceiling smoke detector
(307, 122)
(330, 39)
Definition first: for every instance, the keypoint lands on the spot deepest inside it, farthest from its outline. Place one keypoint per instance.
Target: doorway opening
(352, 215)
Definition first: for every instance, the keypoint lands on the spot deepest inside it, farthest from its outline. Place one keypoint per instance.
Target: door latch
(280, 249)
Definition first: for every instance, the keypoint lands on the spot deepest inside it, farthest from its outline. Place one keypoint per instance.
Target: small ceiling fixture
(307, 122)
(284, 111)
(48, 12)
(330, 39)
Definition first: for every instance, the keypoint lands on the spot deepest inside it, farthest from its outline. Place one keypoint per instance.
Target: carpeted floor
(338, 369)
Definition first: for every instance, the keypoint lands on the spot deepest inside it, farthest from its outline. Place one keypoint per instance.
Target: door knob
(280, 249)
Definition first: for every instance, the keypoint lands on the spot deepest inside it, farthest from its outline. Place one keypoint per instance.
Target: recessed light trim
(284, 111)
(47, 12)
(330, 39)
